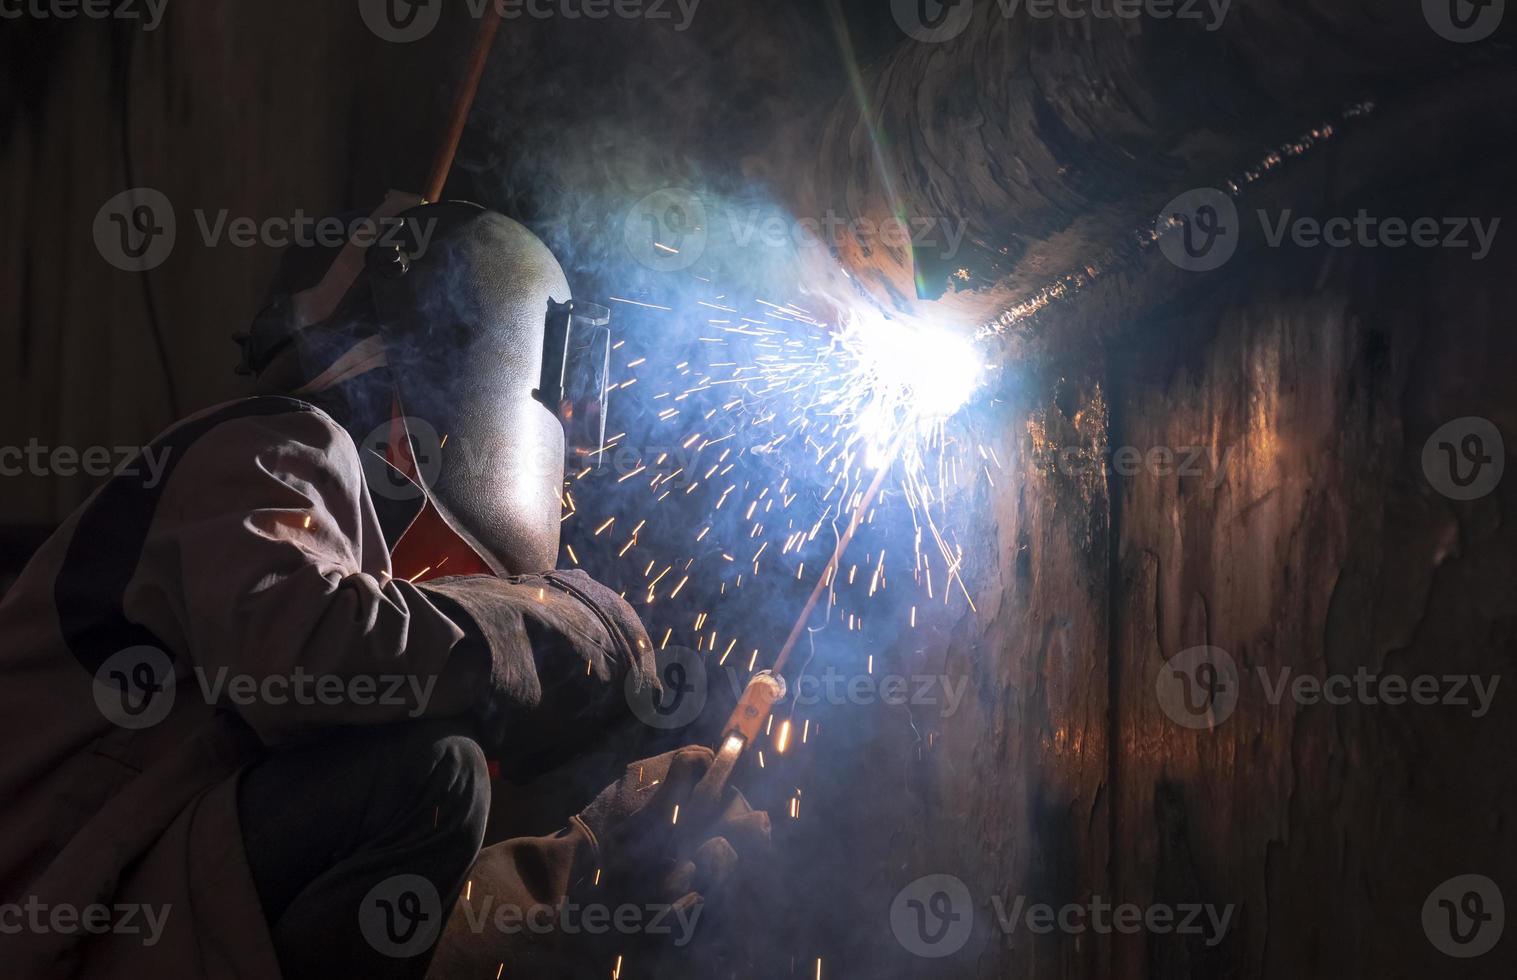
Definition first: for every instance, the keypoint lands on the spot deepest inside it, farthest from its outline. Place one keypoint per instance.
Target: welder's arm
(274, 543)
(562, 650)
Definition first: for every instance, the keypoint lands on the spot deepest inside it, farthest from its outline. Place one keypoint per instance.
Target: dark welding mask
(498, 372)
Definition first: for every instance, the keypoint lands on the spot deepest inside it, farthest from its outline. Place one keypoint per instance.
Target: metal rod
(714, 784)
(442, 163)
(837, 555)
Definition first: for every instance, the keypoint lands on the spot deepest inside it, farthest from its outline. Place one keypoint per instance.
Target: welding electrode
(767, 687)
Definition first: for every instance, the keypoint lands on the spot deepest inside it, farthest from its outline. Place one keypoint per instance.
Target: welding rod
(442, 163)
(837, 557)
(768, 686)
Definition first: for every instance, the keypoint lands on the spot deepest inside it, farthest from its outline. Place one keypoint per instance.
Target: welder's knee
(450, 772)
(464, 763)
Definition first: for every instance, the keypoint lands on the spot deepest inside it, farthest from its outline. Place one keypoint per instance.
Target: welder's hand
(650, 853)
(529, 900)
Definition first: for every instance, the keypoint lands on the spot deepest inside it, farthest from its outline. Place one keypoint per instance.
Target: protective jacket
(230, 593)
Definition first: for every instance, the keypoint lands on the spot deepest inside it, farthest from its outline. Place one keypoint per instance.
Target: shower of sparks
(750, 456)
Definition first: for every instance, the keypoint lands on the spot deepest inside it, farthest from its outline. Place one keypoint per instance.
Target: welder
(256, 697)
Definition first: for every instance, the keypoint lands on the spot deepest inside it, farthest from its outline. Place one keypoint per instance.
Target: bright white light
(906, 375)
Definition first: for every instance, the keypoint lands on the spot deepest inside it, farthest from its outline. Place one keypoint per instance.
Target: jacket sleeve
(286, 576)
(562, 664)
(286, 585)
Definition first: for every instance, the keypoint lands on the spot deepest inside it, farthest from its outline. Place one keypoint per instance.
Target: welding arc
(837, 555)
(442, 163)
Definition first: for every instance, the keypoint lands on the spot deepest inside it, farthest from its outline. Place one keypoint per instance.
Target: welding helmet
(467, 317)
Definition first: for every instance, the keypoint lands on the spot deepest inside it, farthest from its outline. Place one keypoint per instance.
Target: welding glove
(564, 653)
(625, 879)
(642, 844)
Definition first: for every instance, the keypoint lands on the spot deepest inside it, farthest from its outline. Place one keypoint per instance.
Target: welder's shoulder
(267, 433)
